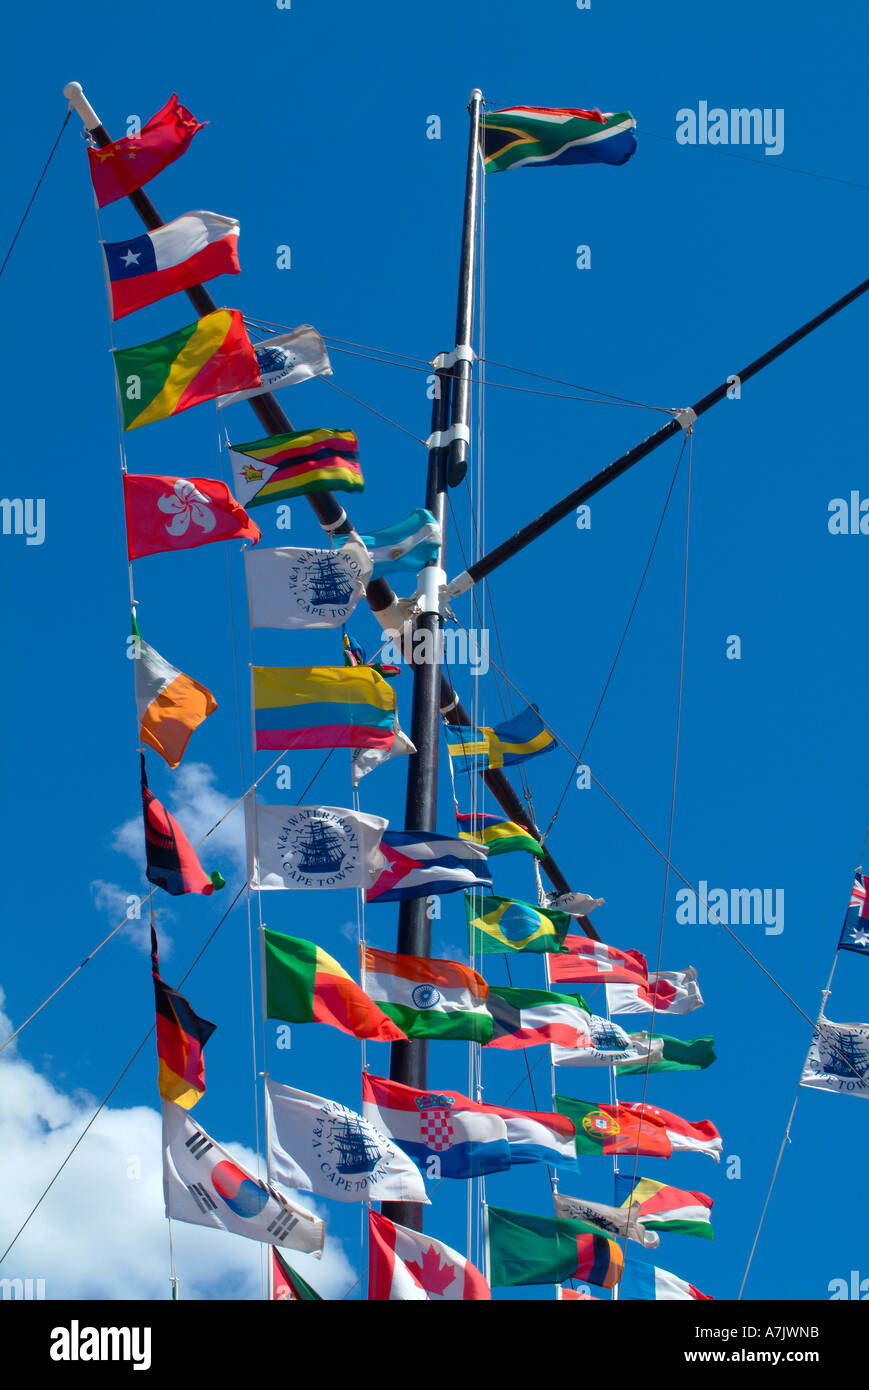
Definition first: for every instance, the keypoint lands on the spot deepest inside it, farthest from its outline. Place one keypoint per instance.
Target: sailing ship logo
(351, 1154)
(840, 1056)
(608, 1037)
(357, 1150)
(274, 362)
(324, 584)
(435, 1129)
(318, 848)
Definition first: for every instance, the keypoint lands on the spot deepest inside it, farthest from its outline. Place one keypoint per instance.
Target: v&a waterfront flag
(192, 365)
(608, 1045)
(614, 1221)
(304, 984)
(284, 466)
(203, 1184)
(172, 861)
(181, 1036)
(405, 1265)
(170, 705)
(539, 136)
(285, 360)
(528, 1249)
(165, 513)
(291, 588)
(514, 741)
(658, 1207)
(838, 1058)
(529, 1017)
(311, 846)
(428, 998)
(192, 249)
(498, 835)
(505, 924)
(855, 931)
(404, 547)
(647, 1130)
(419, 866)
(446, 1134)
(287, 1285)
(677, 1054)
(649, 1283)
(319, 1145)
(125, 165)
(322, 707)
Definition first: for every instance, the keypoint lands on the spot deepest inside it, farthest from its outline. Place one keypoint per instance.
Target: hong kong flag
(179, 513)
(406, 1265)
(125, 165)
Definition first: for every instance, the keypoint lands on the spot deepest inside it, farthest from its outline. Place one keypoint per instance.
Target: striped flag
(528, 1249)
(304, 984)
(529, 1017)
(188, 251)
(428, 998)
(287, 1285)
(658, 1207)
(543, 135)
(404, 547)
(284, 466)
(446, 1134)
(642, 1283)
(181, 1036)
(498, 835)
(171, 374)
(322, 707)
(405, 1265)
(422, 865)
(169, 704)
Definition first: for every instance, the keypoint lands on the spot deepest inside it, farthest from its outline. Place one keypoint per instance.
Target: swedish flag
(514, 741)
(505, 924)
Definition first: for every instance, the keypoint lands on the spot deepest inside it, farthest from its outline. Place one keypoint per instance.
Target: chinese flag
(125, 165)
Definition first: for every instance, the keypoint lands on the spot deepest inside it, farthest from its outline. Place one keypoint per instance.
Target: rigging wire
(379, 413)
(762, 163)
(34, 193)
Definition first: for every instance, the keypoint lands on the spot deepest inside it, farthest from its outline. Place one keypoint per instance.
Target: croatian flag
(188, 251)
(421, 865)
(648, 1282)
(445, 1133)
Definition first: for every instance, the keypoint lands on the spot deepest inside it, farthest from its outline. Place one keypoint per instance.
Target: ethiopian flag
(199, 362)
(505, 924)
(305, 985)
(498, 835)
(528, 1249)
(541, 135)
(295, 464)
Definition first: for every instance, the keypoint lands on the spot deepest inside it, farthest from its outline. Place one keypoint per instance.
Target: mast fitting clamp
(686, 417)
(463, 353)
(441, 438)
(333, 525)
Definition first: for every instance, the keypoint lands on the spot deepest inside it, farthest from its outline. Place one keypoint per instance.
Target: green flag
(678, 1055)
(528, 1249)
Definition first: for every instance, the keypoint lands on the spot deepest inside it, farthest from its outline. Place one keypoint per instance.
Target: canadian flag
(405, 1264)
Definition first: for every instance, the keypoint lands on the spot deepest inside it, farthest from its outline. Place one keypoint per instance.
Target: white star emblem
(860, 936)
(131, 258)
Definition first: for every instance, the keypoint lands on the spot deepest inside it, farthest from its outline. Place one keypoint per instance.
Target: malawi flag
(592, 962)
(498, 835)
(295, 464)
(192, 249)
(170, 705)
(287, 1284)
(405, 1265)
(306, 985)
(165, 513)
(640, 1129)
(125, 165)
(171, 374)
(544, 135)
(658, 1207)
(181, 1036)
(428, 998)
(172, 861)
(528, 1017)
(528, 1249)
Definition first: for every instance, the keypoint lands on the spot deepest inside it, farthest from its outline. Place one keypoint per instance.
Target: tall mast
(447, 463)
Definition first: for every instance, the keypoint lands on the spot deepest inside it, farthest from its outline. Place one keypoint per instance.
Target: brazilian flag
(505, 924)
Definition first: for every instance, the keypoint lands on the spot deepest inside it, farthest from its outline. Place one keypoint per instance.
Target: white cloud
(101, 1232)
(197, 805)
(119, 903)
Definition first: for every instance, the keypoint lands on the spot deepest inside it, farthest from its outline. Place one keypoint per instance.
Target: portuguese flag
(195, 364)
(305, 985)
(641, 1129)
(678, 1055)
(287, 1284)
(499, 836)
(303, 461)
(528, 1249)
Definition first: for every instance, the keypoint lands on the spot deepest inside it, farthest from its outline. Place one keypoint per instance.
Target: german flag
(181, 1036)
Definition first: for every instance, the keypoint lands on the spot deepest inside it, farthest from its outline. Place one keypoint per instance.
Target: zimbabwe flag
(298, 463)
(181, 1036)
(195, 364)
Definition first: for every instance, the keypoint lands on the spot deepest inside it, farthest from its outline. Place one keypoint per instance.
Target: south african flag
(541, 135)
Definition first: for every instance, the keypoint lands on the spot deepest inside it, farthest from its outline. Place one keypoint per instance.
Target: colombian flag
(322, 707)
(181, 1036)
(505, 924)
(199, 362)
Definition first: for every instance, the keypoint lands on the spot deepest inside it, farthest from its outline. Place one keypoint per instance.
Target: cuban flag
(855, 932)
(186, 252)
(422, 865)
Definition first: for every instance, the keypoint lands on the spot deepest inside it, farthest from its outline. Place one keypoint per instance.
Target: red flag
(179, 513)
(172, 861)
(592, 962)
(125, 165)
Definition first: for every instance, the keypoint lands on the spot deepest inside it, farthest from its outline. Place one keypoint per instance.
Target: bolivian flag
(499, 836)
(305, 985)
(504, 924)
(199, 362)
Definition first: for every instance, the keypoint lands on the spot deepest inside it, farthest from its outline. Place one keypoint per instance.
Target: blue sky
(317, 139)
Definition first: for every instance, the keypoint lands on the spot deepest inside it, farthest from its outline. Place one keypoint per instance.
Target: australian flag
(855, 932)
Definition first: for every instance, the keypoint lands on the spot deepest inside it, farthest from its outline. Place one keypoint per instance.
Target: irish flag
(170, 705)
(405, 1265)
(305, 985)
(428, 998)
(658, 1207)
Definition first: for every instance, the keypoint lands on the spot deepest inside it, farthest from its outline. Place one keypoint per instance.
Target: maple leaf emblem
(433, 1276)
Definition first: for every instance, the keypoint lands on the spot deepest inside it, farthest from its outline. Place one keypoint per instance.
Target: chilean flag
(405, 1265)
(420, 865)
(188, 251)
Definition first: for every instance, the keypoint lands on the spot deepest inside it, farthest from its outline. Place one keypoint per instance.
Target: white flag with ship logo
(609, 1045)
(203, 1184)
(312, 846)
(285, 360)
(838, 1058)
(292, 588)
(319, 1145)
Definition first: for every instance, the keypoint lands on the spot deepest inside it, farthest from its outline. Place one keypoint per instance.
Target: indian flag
(658, 1207)
(306, 985)
(428, 998)
(498, 835)
(168, 375)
